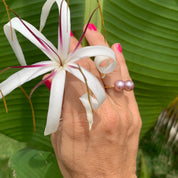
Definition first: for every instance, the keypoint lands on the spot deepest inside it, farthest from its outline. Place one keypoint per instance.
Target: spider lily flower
(60, 61)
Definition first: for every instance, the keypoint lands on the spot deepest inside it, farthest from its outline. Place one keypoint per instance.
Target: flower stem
(88, 90)
(102, 19)
(31, 105)
(4, 100)
(84, 30)
(6, 6)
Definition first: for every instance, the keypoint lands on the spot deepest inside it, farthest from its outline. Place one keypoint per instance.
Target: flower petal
(55, 103)
(64, 30)
(64, 25)
(102, 53)
(87, 106)
(32, 34)
(45, 12)
(95, 87)
(23, 76)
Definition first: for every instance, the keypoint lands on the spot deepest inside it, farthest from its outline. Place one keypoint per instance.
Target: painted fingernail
(119, 47)
(48, 84)
(92, 27)
(71, 34)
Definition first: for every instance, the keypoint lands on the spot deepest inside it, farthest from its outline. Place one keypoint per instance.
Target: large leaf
(148, 33)
(33, 163)
(8, 147)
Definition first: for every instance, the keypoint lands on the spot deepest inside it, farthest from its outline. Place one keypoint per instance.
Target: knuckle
(127, 120)
(136, 125)
(111, 122)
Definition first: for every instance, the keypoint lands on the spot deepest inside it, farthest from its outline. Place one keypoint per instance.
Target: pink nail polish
(92, 27)
(48, 84)
(119, 47)
(71, 34)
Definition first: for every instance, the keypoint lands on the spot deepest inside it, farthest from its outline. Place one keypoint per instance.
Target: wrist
(104, 175)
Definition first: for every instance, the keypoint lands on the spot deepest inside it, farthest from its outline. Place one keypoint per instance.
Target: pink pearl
(128, 85)
(119, 85)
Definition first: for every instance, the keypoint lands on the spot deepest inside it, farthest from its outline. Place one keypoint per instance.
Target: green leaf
(144, 171)
(148, 33)
(8, 147)
(32, 163)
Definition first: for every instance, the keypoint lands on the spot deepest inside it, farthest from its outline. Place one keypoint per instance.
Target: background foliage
(148, 33)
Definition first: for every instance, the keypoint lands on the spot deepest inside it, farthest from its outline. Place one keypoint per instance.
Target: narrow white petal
(109, 67)
(15, 44)
(65, 22)
(95, 87)
(93, 84)
(55, 103)
(63, 46)
(45, 12)
(102, 53)
(20, 27)
(23, 76)
(86, 104)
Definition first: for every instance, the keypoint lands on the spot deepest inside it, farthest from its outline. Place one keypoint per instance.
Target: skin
(109, 150)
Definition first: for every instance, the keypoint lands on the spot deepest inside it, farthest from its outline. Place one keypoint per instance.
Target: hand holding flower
(61, 61)
(109, 150)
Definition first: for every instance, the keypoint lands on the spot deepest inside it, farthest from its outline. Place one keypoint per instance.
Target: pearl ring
(120, 85)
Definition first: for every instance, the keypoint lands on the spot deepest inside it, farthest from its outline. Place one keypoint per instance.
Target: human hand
(109, 150)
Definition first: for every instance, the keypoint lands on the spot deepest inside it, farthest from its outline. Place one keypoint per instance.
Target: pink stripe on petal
(60, 26)
(30, 31)
(74, 67)
(21, 67)
(30, 66)
(42, 42)
(60, 60)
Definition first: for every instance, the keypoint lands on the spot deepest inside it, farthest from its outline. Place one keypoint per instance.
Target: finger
(135, 127)
(94, 37)
(73, 42)
(125, 76)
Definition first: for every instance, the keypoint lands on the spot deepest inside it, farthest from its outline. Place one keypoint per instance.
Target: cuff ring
(120, 85)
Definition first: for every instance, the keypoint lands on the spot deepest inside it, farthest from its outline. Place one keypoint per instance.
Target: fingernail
(71, 34)
(119, 47)
(92, 27)
(48, 84)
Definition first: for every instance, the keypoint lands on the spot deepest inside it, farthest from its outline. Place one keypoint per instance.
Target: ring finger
(94, 38)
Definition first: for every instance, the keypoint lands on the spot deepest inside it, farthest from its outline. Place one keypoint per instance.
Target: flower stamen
(4, 100)
(78, 44)
(102, 19)
(41, 82)
(6, 6)
(86, 83)
(31, 105)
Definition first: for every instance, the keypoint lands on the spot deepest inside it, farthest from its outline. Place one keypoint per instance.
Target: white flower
(60, 62)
